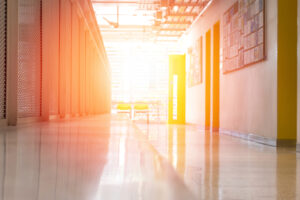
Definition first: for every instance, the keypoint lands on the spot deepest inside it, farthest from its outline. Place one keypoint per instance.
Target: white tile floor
(108, 157)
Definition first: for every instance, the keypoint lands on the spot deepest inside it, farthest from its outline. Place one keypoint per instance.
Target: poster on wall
(243, 34)
(195, 64)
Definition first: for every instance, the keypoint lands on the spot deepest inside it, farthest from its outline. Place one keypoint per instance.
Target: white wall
(248, 97)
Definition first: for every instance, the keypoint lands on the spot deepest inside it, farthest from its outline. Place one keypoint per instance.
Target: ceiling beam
(177, 22)
(146, 3)
(127, 27)
(173, 29)
(124, 2)
(137, 28)
(166, 41)
(168, 35)
(189, 4)
(183, 14)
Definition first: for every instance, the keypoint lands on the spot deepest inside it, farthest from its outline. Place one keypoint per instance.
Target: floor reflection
(57, 161)
(176, 148)
(84, 159)
(286, 175)
(215, 166)
(111, 158)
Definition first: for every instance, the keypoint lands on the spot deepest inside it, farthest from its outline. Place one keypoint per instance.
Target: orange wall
(78, 75)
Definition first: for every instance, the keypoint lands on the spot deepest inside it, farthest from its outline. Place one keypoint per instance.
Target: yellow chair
(141, 108)
(124, 108)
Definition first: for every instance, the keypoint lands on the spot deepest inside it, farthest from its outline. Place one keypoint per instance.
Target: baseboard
(260, 139)
(26, 120)
(251, 137)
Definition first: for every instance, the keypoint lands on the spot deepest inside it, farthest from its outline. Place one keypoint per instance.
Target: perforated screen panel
(29, 69)
(2, 58)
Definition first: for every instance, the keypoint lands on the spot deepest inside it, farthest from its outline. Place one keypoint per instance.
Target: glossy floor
(216, 166)
(109, 157)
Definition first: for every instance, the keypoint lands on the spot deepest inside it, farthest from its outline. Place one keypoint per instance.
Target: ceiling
(138, 36)
(146, 20)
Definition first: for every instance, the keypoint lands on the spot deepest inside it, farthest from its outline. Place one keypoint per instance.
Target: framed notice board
(195, 57)
(243, 34)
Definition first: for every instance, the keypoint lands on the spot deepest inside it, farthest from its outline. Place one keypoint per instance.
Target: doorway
(176, 110)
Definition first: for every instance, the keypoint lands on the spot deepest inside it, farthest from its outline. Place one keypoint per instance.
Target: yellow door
(176, 113)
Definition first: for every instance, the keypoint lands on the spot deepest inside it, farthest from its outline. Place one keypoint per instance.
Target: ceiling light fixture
(175, 8)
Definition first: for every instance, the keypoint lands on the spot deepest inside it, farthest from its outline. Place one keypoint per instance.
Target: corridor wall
(62, 68)
(248, 97)
(3, 30)
(81, 56)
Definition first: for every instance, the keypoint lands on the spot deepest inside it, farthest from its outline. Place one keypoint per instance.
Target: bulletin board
(243, 35)
(195, 63)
